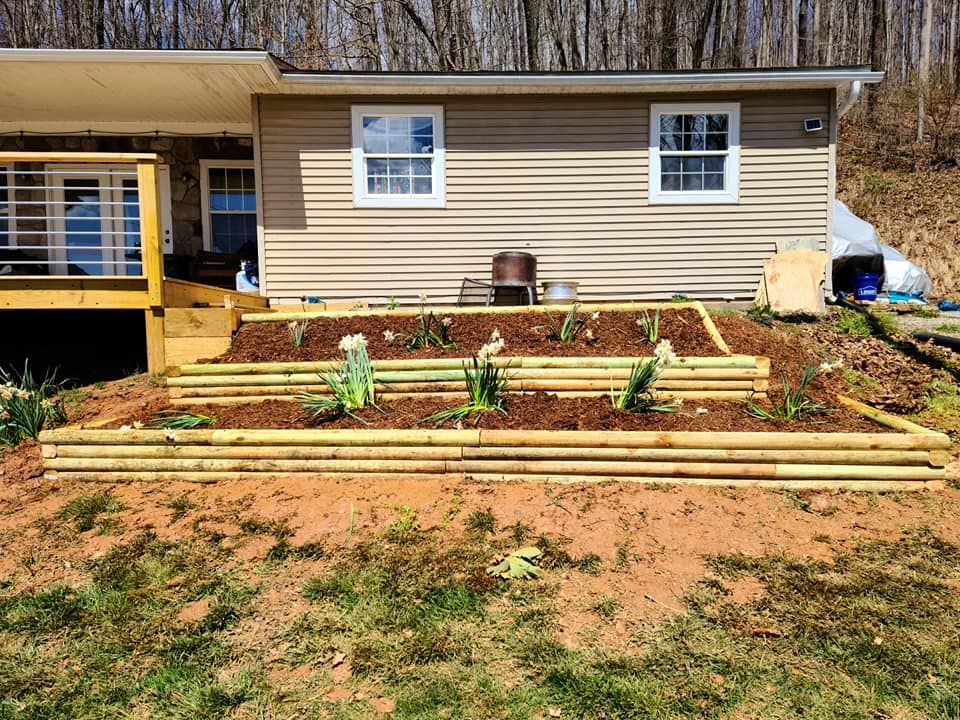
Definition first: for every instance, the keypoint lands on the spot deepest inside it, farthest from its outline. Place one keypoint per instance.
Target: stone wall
(183, 154)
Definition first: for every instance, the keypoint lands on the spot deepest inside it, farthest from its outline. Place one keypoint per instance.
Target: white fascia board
(258, 58)
(494, 83)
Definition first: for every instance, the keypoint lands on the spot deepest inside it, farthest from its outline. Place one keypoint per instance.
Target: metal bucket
(559, 292)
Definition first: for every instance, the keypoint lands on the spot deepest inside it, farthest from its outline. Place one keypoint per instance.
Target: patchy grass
(868, 634)
(948, 328)
(86, 511)
(858, 324)
(114, 646)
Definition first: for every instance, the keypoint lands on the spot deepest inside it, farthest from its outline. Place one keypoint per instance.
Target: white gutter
(851, 98)
(569, 82)
(258, 58)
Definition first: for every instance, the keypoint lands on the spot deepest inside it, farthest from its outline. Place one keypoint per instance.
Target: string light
(90, 132)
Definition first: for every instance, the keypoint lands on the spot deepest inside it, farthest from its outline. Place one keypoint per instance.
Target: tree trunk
(923, 76)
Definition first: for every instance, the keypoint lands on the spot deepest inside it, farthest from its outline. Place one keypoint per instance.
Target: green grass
(858, 324)
(86, 511)
(871, 633)
(948, 328)
(113, 644)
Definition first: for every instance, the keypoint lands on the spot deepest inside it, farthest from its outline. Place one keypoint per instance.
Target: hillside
(912, 203)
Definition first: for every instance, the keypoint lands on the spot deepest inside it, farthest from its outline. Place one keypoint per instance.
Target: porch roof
(57, 91)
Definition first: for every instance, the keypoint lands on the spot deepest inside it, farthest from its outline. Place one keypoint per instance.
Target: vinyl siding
(564, 178)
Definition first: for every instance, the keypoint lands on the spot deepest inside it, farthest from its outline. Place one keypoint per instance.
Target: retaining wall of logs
(731, 377)
(862, 461)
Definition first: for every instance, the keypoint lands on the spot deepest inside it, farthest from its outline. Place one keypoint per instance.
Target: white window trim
(7, 178)
(360, 197)
(205, 166)
(731, 191)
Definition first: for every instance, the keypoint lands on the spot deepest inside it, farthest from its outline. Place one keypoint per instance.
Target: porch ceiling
(66, 91)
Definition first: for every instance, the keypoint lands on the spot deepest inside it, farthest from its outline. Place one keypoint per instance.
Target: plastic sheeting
(857, 249)
(903, 276)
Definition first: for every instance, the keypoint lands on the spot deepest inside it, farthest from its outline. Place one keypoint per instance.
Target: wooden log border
(910, 460)
(731, 377)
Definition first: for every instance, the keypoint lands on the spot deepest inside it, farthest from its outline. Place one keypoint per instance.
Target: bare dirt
(614, 334)
(652, 541)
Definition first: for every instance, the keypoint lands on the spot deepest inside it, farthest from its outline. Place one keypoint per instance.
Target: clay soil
(615, 334)
(669, 530)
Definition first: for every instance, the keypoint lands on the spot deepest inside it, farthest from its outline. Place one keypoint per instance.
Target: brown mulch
(615, 334)
(540, 411)
(897, 383)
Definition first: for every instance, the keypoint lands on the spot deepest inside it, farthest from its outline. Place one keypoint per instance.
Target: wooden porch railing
(28, 182)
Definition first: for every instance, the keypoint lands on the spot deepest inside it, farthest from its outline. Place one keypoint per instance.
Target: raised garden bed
(708, 371)
(905, 457)
(720, 378)
(264, 337)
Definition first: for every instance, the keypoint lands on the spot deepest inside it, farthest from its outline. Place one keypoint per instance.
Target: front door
(95, 217)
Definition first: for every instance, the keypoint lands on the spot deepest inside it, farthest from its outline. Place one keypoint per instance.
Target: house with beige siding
(366, 186)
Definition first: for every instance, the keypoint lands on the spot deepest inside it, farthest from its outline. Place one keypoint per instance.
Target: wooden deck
(156, 296)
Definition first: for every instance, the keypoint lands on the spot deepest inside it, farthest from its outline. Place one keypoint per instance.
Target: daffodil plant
(351, 384)
(486, 384)
(637, 395)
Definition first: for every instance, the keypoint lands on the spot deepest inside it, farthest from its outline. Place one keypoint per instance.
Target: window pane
(670, 181)
(713, 181)
(399, 143)
(374, 143)
(714, 164)
(218, 200)
(670, 132)
(422, 144)
(249, 179)
(377, 184)
(399, 185)
(717, 123)
(692, 164)
(716, 141)
(422, 167)
(234, 189)
(694, 124)
(218, 178)
(692, 182)
(398, 167)
(398, 125)
(670, 164)
(422, 126)
(693, 141)
(423, 185)
(234, 232)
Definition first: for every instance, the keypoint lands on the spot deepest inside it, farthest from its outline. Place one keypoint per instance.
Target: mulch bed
(897, 383)
(615, 334)
(540, 411)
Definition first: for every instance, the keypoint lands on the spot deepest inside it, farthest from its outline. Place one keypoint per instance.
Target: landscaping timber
(696, 378)
(909, 460)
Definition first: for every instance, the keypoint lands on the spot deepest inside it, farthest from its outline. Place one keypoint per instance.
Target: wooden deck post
(152, 257)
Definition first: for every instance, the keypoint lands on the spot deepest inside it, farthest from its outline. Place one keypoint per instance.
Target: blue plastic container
(865, 286)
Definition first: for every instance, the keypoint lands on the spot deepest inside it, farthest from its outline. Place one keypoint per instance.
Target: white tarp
(852, 236)
(903, 276)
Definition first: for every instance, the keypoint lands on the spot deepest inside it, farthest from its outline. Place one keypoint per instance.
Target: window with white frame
(694, 152)
(7, 207)
(229, 203)
(398, 155)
